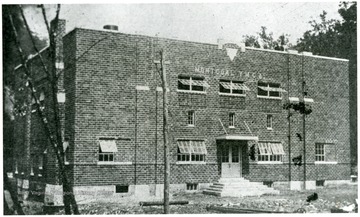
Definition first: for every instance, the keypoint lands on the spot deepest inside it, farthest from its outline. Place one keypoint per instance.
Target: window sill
(269, 97)
(325, 162)
(191, 91)
(190, 125)
(113, 163)
(232, 94)
(232, 127)
(269, 162)
(269, 128)
(190, 162)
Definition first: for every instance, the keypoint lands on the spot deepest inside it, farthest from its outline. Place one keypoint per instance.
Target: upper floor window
(231, 120)
(107, 150)
(232, 87)
(271, 90)
(270, 151)
(269, 122)
(191, 118)
(195, 84)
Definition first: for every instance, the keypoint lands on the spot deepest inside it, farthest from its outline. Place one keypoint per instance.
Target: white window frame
(266, 153)
(269, 121)
(320, 153)
(268, 92)
(231, 82)
(232, 120)
(182, 159)
(191, 78)
(191, 118)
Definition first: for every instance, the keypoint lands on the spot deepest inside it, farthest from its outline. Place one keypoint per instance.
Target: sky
(191, 21)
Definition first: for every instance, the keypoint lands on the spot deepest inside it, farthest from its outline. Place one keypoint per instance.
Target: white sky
(192, 21)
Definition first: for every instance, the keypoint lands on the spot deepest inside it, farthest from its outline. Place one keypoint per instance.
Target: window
(271, 90)
(320, 183)
(188, 83)
(191, 186)
(319, 152)
(107, 150)
(121, 188)
(270, 151)
(269, 119)
(232, 87)
(191, 118)
(325, 152)
(191, 150)
(231, 120)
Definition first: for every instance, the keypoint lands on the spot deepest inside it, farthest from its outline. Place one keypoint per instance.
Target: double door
(231, 160)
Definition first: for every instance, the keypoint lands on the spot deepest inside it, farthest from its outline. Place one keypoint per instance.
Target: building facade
(227, 115)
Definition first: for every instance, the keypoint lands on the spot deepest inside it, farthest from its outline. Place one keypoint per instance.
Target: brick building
(225, 100)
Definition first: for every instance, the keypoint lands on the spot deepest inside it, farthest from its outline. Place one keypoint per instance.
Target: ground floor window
(107, 149)
(270, 151)
(325, 152)
(191, 150)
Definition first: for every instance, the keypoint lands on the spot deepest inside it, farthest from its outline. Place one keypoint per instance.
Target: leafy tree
(266, 40)
(338, 38)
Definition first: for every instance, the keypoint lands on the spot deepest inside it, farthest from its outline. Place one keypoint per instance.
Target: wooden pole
(165, 134)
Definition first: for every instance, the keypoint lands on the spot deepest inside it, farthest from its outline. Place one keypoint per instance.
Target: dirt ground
(286, 201)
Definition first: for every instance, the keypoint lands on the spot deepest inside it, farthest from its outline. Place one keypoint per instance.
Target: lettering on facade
(227, 72)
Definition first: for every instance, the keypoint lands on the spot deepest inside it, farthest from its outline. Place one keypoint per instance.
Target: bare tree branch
(45, 19)
(33, 42)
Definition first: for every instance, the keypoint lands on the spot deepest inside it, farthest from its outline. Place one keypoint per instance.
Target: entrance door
(230, 160)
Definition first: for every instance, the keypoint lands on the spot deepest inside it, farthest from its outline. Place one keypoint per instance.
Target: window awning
(184, 147)
(199, 83)
(236, 86)
(277, 148)
(192, 147)
(184, 81)
(226, 85)
(236, 137)
(198, 147)
(268, 148)
(264, 148)
(274, 89)
(194, 82)
(108, 146)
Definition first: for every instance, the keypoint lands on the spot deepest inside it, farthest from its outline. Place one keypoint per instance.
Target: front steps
(238, 187)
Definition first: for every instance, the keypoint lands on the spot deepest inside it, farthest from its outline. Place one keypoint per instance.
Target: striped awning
(191, 147)
(268, 148)
(108, 146)
(238, 86)
(274, 89)
(194, 82)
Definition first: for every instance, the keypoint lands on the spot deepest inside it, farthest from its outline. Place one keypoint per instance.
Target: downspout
(136, 118)
(289, 119)
(303, 117)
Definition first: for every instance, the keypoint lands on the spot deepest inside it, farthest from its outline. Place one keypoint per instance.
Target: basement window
(192, 84)
(320, 183)
(107, 149)
(270, 184)
(191, 186)
(121, 188)
(269, 90)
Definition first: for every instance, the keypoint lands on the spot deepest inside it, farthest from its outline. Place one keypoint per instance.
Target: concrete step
(238, 187)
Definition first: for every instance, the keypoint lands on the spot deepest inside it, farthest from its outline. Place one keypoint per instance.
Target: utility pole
(165, 133)
(289, 120)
